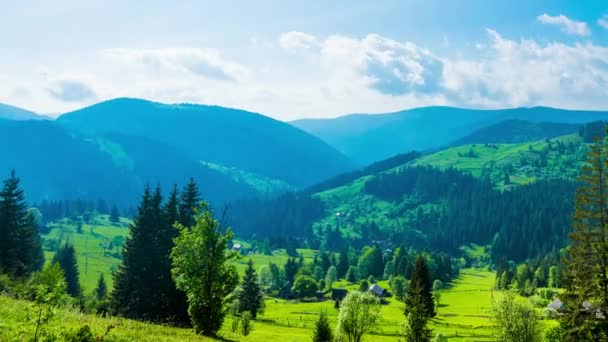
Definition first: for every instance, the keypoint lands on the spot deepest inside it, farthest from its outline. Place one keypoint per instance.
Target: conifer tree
(174, 304)
(101, 290)
(416, 315)
(136, 278)
(586, 265)
(190, 199)
(20, 245)
(323, 331)
(420, 289)
(251, 297)
(343, 264)
(66, 258)
(114, 214)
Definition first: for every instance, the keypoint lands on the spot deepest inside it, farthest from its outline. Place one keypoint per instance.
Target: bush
(246, 323)
(83, 334)
(538, 301)
(304, 286)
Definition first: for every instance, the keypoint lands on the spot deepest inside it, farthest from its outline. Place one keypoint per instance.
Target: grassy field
(89, 245)
(462, 316)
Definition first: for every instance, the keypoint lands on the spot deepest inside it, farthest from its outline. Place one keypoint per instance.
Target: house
(556, 305)
(377, 290)
(237, 247)
(338, 294)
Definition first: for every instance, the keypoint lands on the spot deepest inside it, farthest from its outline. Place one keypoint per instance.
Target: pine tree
(136, 279)
(343, 264)
(586, 265)
(20, 244)
(416, 315)
(101, 290)
(66, 258)
(190, 199)
(323, 331)
(251, 298)
(420, 289)
(114, 214)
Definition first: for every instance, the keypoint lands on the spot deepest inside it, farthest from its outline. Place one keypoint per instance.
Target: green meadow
(462, 316)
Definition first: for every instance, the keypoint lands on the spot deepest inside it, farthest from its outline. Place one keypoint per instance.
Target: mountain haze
(16, 113)
(370, 137)
(230, 137)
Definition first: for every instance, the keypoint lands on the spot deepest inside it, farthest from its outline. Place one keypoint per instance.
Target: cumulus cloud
(297, 40)
(71, 91)
(566, 24)
(603, 21)
(197, 61)
(513, 73)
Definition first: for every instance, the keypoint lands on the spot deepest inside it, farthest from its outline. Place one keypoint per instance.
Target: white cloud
(566, 24)
(603, 21)
(523, 73)
(198, 61)
(297, 40)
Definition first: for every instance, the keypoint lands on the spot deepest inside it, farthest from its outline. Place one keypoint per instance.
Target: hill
(229, 137)
(16, 113)
(516, 131)
(370, 137)
(55, 163)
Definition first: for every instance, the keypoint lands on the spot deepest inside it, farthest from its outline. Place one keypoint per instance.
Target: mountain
(370, 137)
(55, 163)
(16, 113)
(229, 137)
(516, 131)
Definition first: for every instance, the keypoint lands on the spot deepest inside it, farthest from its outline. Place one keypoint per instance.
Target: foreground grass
(462, 316)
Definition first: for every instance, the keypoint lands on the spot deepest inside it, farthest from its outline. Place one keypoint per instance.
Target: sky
(305, 59)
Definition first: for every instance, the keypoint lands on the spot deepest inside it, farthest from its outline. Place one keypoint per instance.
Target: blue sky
(293, 59)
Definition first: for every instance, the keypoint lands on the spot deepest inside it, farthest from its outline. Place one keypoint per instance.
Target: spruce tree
(136, 279)
(190, 199)
(114, 214)
(586, 265)
(251, 297)
(66, 258)
(416, 315)
(101, 290)
(174, 305)
(20, 244)
(343, 264)
(420, 289)
(323, 331)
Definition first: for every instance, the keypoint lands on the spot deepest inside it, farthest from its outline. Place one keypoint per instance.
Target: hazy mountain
(55, 163)
(516, 131)
(225, 136)
(369, 137)
(16, 113)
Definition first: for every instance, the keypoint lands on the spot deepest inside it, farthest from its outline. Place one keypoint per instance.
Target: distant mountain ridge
(366, 138)
(15, 113)
(517, 131)
(225, 136)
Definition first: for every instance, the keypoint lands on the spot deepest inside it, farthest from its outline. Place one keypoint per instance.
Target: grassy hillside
(225, 136)
(524, 162)
(462, 316)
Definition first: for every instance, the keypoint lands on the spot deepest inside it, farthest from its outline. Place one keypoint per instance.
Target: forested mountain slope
(370, 137)
(229, 137)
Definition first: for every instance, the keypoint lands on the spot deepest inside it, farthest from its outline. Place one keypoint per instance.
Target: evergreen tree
(322, 332)
(251, 298)
(343, 264)
(416, 315)
(190, 199)
(136, 281)
(202, 267)
(586, 265)
(114, 214)
(66, 258)
(420, 289)
(173, 302)
(20, 245)
(101, 290)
